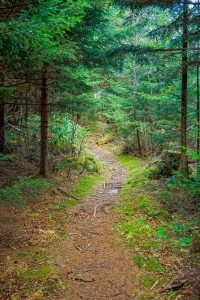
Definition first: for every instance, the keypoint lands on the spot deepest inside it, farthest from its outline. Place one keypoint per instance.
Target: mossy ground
(32, 270)
(85, 185)
(160, 239)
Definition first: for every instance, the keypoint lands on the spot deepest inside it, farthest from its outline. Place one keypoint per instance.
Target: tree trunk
(198, 126)
(26, 115)
(44, 123)
(183, 163)
(134, 108)
(2, 127)
(198, 116)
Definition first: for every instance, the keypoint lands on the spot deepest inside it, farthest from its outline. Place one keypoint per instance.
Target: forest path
(96, 264)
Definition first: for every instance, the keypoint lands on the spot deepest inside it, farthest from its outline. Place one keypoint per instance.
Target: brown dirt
(96, 264)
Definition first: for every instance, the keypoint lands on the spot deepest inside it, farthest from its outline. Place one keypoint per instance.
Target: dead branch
(67, 194)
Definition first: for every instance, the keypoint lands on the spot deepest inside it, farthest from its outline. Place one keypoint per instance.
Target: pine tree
(184, 15)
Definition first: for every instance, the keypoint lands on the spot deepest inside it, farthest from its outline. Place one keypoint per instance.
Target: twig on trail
(118, 293)
(154, 285)
(79, 278)
(112, 283)
(79, 249)
(67, 194)
(74, 233)
(120, 290)
(95, 211)
(174, 287)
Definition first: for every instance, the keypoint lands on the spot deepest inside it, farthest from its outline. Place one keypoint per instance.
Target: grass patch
(65, 204)
(149, 264)
(35, 274)
(147, 281)
(15, 195)
(85, 185)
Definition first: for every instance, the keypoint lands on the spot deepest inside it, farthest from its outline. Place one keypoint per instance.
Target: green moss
(147, 281)
(136, 228)
(149, 264)
(41, 256)
(130, 162)
(65, 204)
(34, 274)
(148, 296)
(150, 244)
(126, 209)
(22, 254)
(85, 185)
(147, 205)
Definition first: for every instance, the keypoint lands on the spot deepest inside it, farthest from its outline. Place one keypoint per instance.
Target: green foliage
(147, 226)
(16, 194)
(7, 157)
(66, 135)
(135, 229)
(161, 232)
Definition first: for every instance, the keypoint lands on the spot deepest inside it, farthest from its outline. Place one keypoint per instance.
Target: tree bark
(44, 122)
(26, 115)
(198, 117)
(183, 162)
(134, 108)
(198, 126)
(2, 127)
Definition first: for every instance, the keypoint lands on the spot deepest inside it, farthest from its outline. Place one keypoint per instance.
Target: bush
(65, 136)
(165, 166)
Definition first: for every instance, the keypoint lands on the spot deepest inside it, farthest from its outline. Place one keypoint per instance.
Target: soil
(98, 266)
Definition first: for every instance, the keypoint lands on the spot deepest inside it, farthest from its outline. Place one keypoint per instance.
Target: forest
(99, 149)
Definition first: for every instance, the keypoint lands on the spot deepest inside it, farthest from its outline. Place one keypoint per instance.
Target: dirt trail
(96, 264)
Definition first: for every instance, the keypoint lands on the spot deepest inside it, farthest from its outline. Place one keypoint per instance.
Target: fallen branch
(79, 278)
(173, 287)
(67, 194)
(118, 294)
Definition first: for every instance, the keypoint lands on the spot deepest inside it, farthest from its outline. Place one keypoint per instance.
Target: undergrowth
(160, 239)
(15, 194)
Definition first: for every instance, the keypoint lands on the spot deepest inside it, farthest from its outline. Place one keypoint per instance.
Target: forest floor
(59, 248)
(55, 249)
